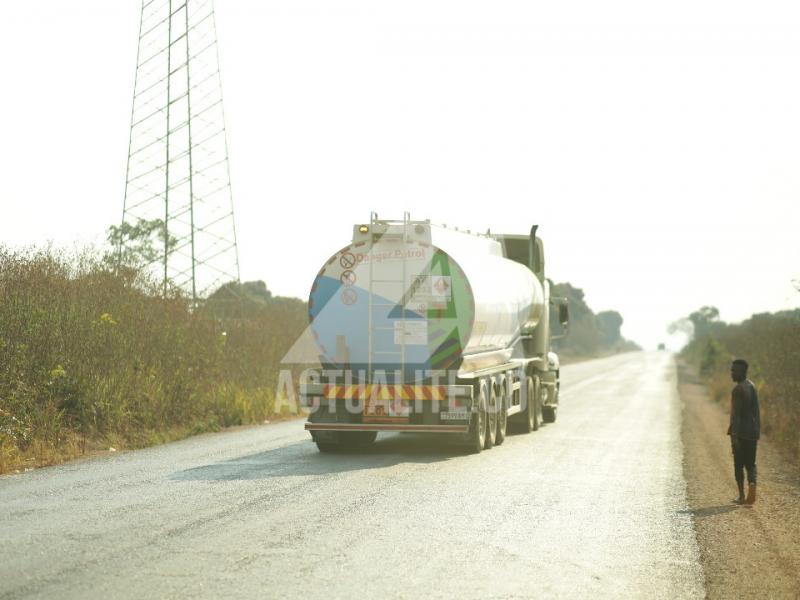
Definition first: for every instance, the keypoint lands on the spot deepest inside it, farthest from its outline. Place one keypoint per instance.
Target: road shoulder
(745, 551)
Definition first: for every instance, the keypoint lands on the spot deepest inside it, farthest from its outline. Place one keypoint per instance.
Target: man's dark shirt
(745, 416)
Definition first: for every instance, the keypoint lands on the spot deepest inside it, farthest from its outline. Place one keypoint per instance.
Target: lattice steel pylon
(178, 168)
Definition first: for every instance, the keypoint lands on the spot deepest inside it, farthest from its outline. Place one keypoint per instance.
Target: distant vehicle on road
(662, 347)
(428, 328)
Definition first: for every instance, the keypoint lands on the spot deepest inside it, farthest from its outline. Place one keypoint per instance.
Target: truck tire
(352, 440)
(338, 441)
(476, 437)
(326, 441)
(502, 415)
(529, 418)
(491, 410)
(549, 414)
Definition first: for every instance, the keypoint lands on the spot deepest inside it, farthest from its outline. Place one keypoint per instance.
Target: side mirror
(563, 314)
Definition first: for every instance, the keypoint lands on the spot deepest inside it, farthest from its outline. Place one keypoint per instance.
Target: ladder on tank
(401, 303)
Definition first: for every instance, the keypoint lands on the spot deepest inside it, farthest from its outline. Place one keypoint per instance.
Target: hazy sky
(657, 145)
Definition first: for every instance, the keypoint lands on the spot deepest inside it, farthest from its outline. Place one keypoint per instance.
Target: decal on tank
(417, 317)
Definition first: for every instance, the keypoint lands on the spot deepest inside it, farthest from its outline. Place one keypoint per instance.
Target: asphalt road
(591, 506)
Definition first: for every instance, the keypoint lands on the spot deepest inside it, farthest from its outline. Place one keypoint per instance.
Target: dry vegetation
(771, 345)
(91, 359)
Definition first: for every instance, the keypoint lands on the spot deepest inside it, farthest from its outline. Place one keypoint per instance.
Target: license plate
(454, 416)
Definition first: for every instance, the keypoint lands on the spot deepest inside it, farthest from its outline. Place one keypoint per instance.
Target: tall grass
(90, 358)
(771, 345)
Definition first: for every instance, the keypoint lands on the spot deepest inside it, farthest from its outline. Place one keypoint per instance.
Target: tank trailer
(427, 328)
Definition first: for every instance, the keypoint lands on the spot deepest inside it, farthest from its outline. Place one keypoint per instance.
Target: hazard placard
(391, 408)
(349, 296)
(441, 286)
(348, 278)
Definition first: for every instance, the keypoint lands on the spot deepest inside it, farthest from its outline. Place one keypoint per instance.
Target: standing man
(744, 429)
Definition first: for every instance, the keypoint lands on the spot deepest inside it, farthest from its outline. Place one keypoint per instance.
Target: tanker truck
(427, 328)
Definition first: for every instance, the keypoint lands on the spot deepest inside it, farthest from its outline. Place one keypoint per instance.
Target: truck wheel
(337, 441)
(326, 441)
(549, 414)
(491, 421)
(529, 418)
(352, 440)
(476, 437)
(502, 415)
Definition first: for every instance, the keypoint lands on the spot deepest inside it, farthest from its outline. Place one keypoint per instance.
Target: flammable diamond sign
(441, 287)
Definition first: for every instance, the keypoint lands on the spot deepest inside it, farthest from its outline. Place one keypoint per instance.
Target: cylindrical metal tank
(405, 304)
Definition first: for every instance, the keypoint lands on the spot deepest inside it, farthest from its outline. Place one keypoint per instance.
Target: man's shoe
(751, 494)
(740, 499)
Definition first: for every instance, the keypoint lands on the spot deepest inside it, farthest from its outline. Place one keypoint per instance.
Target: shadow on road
(710, 511)
(303, 459)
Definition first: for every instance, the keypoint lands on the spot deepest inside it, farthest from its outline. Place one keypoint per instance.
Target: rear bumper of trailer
(407, 427)
(428, 409)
